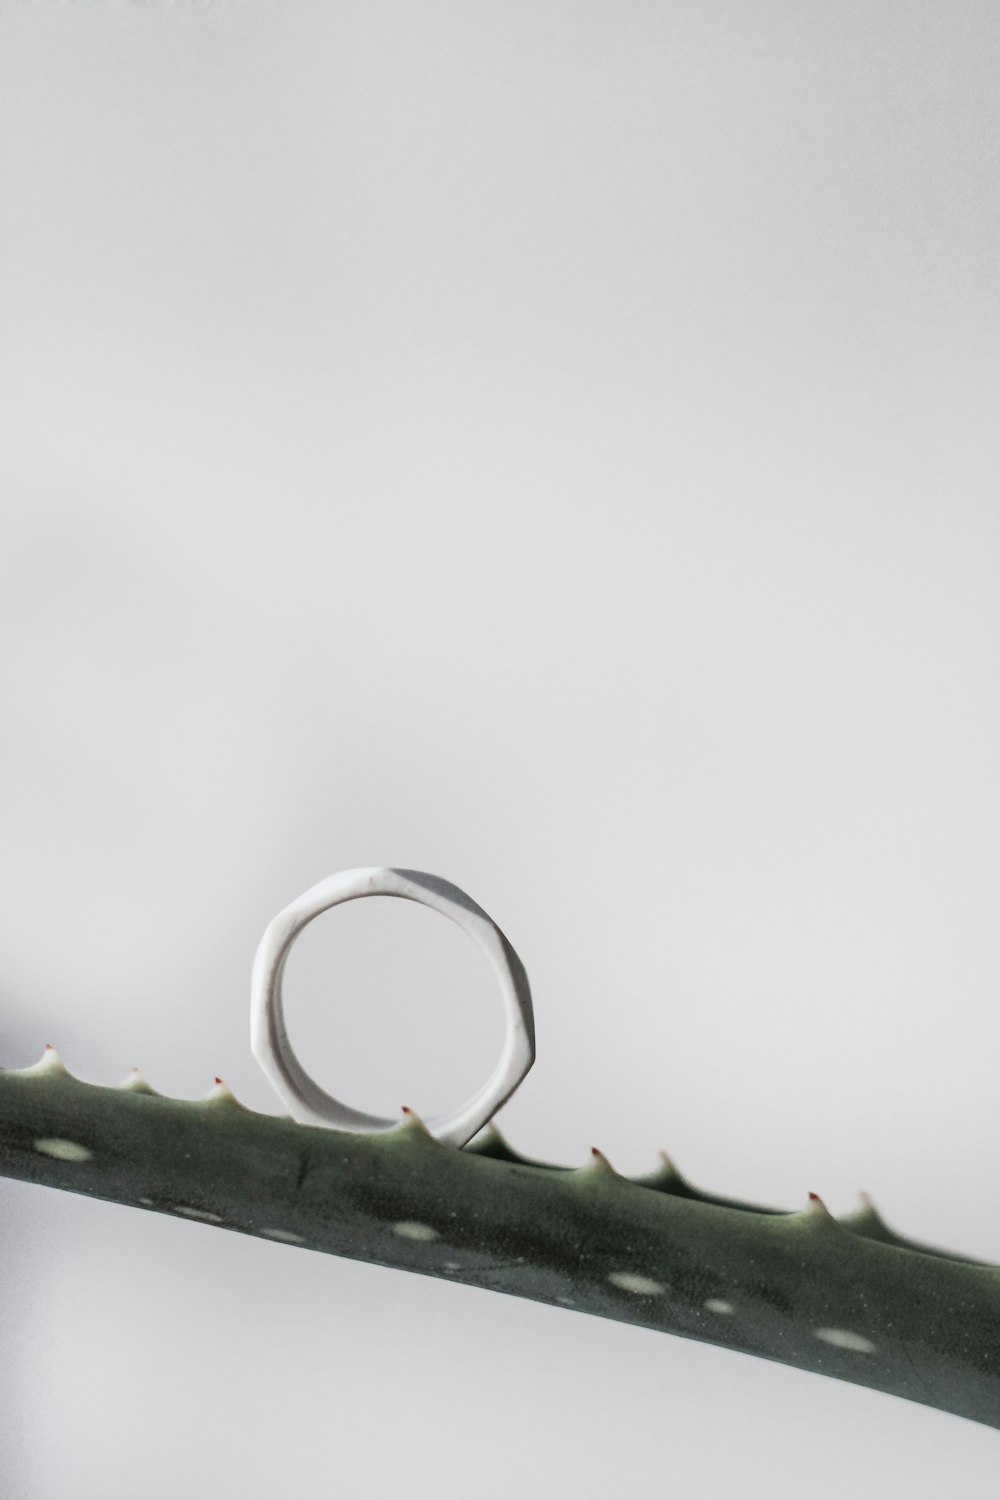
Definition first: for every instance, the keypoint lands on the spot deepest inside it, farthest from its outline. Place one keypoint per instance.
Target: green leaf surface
(842, 1297)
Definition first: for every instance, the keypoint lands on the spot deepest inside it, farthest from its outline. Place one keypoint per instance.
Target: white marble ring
(311, 1105)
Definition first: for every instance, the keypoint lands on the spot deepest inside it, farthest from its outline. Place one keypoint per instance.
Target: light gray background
(552, 445)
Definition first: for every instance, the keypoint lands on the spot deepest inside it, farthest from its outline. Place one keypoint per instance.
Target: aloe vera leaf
(847, 1298)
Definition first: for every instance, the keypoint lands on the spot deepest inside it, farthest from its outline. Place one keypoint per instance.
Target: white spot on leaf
(718, 1305)
(54, 1145)
(286, 1236)
(843, 1338)
(197, 1213)
(631, 1281)
(410, 1229)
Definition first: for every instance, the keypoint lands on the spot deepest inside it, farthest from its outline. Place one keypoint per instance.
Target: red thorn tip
(49, 1047)
(218, 1080)
(815, 1198)
(407, 1110)
(594, 1151)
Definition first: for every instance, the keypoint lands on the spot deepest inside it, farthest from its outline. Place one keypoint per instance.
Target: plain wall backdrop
(553, 446)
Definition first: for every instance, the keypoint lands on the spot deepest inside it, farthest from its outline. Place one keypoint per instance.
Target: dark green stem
(846, 1298)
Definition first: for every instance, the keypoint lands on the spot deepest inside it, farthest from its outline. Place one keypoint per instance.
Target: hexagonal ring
(311, 1105)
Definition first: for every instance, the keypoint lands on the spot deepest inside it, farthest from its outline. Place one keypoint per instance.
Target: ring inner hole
(389, 1003)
